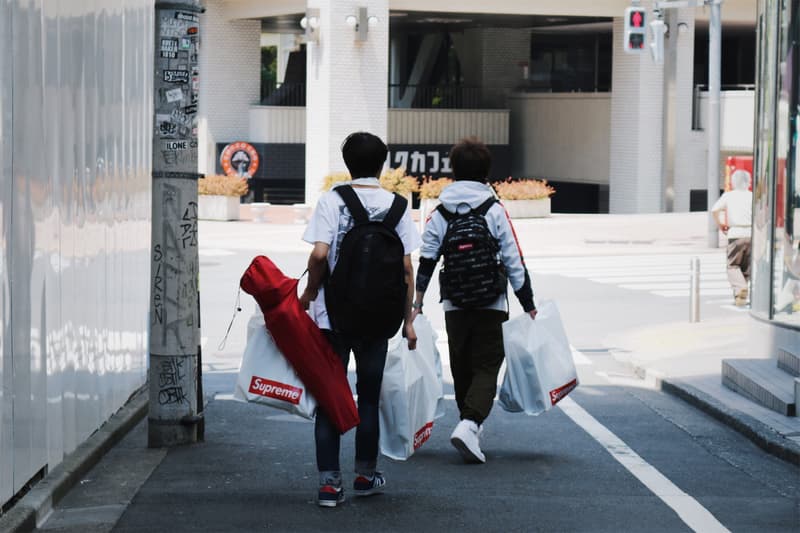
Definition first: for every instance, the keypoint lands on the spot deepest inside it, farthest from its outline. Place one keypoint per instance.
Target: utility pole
(175, 409)
(713, 127)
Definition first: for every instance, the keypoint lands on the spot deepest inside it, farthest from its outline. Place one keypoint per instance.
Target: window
(570, 62)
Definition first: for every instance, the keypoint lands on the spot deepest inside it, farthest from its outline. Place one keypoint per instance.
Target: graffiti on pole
(174, 314)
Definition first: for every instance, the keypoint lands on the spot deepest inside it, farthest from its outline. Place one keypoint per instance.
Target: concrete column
(347, 84)
(637, 126)
(690, 146)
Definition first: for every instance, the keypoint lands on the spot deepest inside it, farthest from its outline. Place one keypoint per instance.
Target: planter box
(213, 207)
(527, 208)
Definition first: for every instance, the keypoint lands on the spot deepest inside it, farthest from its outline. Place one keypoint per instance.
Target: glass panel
(763, 180)
(786, 299)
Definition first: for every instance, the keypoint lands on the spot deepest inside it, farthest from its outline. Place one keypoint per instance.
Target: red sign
(273, 389)
(239, 159)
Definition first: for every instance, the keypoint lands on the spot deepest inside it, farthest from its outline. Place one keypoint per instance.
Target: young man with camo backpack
(473, 233)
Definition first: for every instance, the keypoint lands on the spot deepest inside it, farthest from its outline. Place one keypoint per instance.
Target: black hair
(364, 154)
(470, 160)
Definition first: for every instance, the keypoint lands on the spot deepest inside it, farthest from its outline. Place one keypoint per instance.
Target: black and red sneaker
(367, 486)
(330, 496)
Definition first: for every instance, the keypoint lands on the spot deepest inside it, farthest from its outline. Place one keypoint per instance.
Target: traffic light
(635, 30)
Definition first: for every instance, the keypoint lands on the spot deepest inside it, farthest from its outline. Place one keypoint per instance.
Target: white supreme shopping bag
(540, 370)
(267, 378)
(410, 393)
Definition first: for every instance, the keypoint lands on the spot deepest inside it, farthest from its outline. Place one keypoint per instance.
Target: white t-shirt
(331, 220)
(738, 206)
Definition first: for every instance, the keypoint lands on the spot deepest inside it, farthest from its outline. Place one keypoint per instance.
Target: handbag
(266, 377)
(411, 393)
(540, 370)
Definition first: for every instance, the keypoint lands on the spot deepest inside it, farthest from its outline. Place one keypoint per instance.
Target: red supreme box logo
(422, 435)
(274, 389)
(558, 394)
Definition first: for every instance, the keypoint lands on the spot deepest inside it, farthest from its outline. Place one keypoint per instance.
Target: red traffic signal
(635, 30)
(636, 18)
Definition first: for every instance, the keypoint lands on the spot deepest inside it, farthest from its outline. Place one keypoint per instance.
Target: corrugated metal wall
(405, 126)
(75, 130)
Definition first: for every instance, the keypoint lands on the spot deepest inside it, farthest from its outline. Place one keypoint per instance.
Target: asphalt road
(618, 456)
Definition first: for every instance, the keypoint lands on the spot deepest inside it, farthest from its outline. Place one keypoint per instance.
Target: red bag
(301, 341)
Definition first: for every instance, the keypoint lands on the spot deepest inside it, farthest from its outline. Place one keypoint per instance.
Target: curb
(759, 433)
(37, 504)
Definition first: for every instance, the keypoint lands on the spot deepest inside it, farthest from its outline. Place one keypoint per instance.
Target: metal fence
(284, 94)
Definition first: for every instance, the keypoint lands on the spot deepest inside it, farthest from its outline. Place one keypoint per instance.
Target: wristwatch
(416, 306)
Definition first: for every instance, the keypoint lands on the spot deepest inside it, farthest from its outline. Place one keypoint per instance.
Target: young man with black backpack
(473, 233)
(360, 289)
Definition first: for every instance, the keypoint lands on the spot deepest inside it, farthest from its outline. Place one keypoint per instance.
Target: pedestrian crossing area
(663, 275)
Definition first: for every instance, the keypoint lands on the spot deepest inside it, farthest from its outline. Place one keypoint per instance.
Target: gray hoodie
(469, 195)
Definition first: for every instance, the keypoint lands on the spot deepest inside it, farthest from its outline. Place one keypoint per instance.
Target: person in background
(733, 213)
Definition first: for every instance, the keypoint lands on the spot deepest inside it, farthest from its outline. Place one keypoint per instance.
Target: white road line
(674, 293)
(694, 515)
(710, 285)
(215, 252)
(653, 278)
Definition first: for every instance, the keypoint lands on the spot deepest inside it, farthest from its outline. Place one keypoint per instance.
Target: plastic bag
(410, 393)
(267, 378)
(540, 370)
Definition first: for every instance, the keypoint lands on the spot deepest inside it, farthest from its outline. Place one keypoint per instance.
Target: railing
(400, 96)
(437, 97)
(698, 119)
(284, 94)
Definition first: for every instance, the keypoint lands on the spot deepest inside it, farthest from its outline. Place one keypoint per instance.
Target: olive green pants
(475, 337)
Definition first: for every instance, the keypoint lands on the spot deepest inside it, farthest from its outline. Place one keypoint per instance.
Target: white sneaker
(465, 439)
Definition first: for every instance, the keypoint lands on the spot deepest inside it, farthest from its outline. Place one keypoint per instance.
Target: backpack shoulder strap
(353, 203)
(485, 206)
(396, 212)
(447, 215)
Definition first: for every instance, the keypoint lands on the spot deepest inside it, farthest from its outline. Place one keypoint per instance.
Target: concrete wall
(76, 122)
(737, 110)
(561, 137)
(230, 62)
(273, 124)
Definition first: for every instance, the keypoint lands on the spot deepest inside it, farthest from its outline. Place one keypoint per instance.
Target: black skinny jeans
(370, 360)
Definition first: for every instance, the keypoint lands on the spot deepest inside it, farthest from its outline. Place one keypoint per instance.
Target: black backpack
(472, 275)
(365, 295)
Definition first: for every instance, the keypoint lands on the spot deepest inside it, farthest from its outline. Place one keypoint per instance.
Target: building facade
(613, 132)
(776, 190)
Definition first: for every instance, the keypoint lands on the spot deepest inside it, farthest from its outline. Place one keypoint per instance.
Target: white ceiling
(733, 11)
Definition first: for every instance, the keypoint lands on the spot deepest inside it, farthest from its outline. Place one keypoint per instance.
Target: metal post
(713, 127)
(174, 314)
(694, 290)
